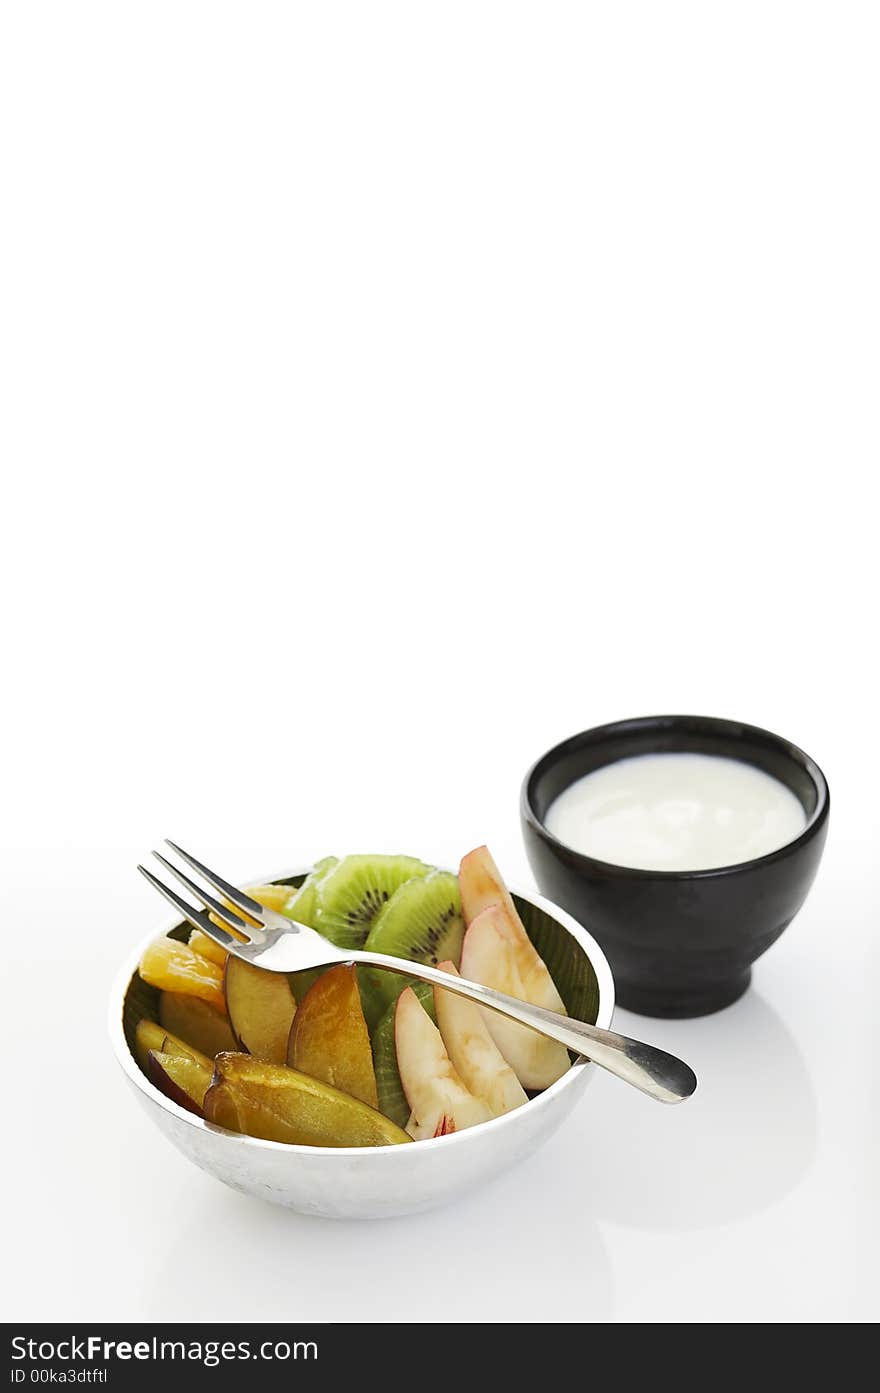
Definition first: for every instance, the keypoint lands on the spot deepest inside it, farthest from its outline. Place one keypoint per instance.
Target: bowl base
(684, 1002)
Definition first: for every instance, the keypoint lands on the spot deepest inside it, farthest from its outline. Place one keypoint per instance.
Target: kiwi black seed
(422, 921)
(352, 894)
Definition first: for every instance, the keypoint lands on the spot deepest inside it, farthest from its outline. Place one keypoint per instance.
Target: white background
(391, 390)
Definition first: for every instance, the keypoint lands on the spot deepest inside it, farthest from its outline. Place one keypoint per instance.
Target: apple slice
(150, 1036)
(470, 1046)
(489, 956)
(329, 1037)
(195, 1023)
(280, 1104)
(439, 1099)
(481, 885)
(181, 1077)
(261, 1009)
(444, 1128)
(173, 966)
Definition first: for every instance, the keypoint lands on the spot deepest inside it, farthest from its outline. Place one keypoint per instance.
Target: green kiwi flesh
(392, 1099)
(423, 922)
(352, 894)
(301, 905)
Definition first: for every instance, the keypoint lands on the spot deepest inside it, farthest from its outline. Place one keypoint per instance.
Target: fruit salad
(345, 1056)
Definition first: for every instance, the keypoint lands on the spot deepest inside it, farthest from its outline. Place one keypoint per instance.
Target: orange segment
(174, 967)
(272, 896)
(206, 947)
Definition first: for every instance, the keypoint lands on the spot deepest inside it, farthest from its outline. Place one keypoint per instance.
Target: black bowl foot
(679, 1003)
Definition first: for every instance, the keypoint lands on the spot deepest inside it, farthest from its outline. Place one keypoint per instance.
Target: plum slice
(280, 1104)
(329, 1037)
(261, 1009)
(181, 1077)
(151, 1036)
(196, 1023)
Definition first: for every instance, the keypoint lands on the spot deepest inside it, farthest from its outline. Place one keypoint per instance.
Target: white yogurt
(676, 812)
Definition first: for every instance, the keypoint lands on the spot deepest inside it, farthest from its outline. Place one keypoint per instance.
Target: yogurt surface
(676, 812)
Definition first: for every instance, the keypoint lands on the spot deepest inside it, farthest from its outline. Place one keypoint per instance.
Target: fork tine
(222, 911)
(238, 897)
(196, 917)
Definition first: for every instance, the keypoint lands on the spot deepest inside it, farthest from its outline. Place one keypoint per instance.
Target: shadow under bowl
(680, 943)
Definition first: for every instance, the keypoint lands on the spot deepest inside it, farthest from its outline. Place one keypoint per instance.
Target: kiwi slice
(392, 1099)
(423, 922)
(351, 895)
(302, 902)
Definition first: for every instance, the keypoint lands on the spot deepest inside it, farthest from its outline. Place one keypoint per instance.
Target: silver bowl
(378, 1182)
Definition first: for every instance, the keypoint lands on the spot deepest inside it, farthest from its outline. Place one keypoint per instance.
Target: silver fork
(283, 945)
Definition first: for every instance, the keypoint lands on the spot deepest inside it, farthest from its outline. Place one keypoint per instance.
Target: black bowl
(680, 943)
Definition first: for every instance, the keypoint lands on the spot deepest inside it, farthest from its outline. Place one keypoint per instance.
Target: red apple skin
(488, 956)
(483, 889)
(425, 1068)
(473, 1051)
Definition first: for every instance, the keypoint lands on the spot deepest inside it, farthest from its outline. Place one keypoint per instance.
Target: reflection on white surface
(756, 1199)
(746, 1138)
(462, 1263)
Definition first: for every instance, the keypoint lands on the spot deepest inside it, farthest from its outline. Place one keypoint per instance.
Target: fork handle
(660, 1075)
